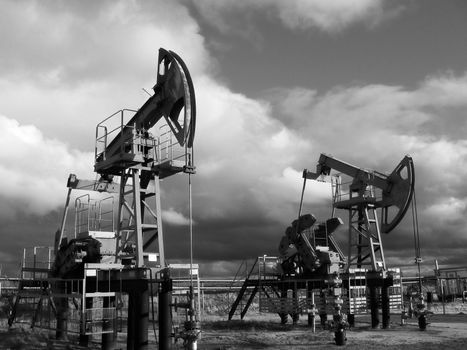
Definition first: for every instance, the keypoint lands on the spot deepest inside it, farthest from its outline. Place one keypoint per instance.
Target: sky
(277, 83)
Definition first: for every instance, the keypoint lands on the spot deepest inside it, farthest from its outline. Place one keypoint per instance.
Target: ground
(444, 331)
(264, 331)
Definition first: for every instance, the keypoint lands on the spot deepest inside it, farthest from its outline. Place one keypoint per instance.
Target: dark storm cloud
(295, 14)
(25, 231)
(224, 241)
(70, 64)
(374, 126)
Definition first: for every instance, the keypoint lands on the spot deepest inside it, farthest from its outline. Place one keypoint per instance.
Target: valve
(190, 334)
(421, 313)
(404, 316)
(340, 325)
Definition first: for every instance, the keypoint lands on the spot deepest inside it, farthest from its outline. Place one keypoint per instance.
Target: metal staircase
(246, 293)
(264, 281)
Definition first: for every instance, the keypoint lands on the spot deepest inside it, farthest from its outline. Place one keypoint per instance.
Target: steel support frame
(140, 215)
(365, 246)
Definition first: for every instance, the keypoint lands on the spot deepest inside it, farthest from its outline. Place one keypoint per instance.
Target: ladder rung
(149, 226)
(142, 190)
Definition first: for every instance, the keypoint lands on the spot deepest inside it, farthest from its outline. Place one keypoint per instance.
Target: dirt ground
(264, 331)
(446, 332)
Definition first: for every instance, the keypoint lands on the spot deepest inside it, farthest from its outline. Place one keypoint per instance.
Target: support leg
(83, 337)
(62, 311)
(141, 316)
(385, 306)
(351, 320)
(374, 307)
(295, 315)
(130, 323)
(283, 314)
(165, 320)
(109, 337)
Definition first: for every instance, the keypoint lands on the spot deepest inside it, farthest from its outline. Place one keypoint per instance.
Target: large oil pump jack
(130, 161)
(367, 191)
(128, 150)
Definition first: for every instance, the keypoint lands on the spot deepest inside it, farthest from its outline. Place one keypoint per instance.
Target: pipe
(165, 319)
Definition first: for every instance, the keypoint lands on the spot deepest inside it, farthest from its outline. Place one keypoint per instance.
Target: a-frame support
(365, 248)
(139, 217)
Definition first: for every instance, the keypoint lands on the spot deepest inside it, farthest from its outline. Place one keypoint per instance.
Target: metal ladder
(365, 248)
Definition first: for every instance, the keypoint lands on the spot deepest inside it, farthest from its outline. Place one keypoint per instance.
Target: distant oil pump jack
(313, 274)
(367, 191)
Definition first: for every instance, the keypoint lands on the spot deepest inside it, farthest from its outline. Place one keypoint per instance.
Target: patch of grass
(22, 339)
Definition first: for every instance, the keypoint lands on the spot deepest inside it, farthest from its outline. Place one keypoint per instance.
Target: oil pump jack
(367, 191)
(313, 274)
(127, 150)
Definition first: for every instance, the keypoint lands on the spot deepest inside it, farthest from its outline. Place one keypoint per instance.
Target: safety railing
(36, 262)
(358, 297)
(169, 149)
(117, 134)
(94, 215)
(342, 193)
(105, 218)
(268, 267)
(82, 214)
(101, 307)
(116, 125)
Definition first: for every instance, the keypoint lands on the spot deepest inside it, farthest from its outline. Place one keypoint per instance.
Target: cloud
(225, 269)
(172, 217)
(241, 152)
(86, 40)
(34, 169)
(328, 16)
(285, 189)
(81, 62)
(249, 153)
(241, 155)
(374, 126)
(363, 116)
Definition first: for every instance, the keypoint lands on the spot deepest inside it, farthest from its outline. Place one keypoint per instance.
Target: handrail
(104, 139)
(101, 215)
(232, 282)
(92, 215)
(80, 208)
